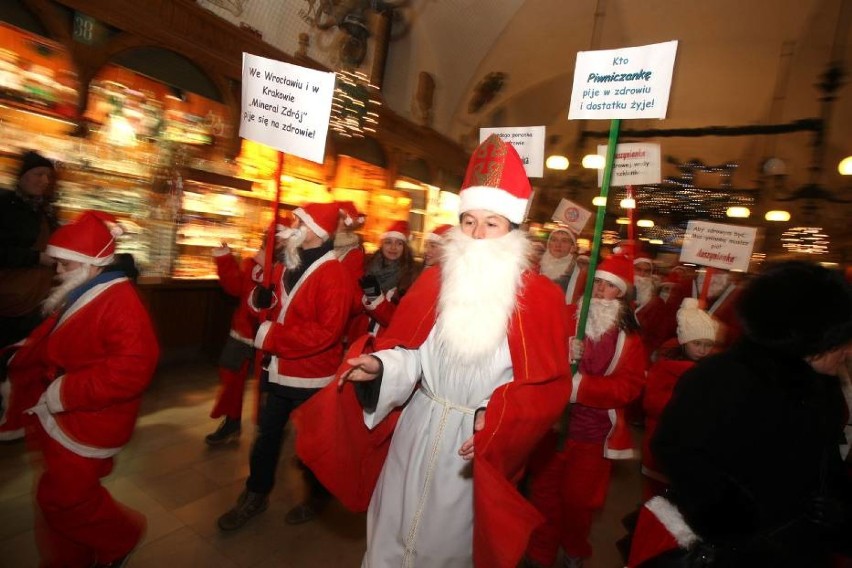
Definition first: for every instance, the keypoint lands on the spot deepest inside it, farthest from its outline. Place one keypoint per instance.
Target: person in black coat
(26, 272)
(750, 439)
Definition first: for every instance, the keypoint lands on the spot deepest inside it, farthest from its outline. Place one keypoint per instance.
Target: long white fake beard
(67, 282)
(644, 289)
(480, 279)
(292, 260)
(603, 315)
(553, 267)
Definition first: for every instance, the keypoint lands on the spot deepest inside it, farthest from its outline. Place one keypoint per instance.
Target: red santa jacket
(96, 359)
(662, 378)
(347, 457)
(656, 324)
(239, 280)
(359, 322)
(305, 331)
(620, 385)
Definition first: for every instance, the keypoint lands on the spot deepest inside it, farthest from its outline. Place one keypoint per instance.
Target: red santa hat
(660, 528)
(90, 239)
(617, 269)
(562, 229)
(693, 323)
(399, 230)
(437, 234)
(321, 218)
(351, 215)
(496, 181)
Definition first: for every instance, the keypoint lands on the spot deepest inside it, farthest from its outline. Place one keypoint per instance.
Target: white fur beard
(67, 282)
(644, 289)
(479, 282)
(292, 260)
(603, 315)
(553, 267)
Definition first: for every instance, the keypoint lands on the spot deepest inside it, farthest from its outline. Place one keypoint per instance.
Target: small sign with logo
(571, 215)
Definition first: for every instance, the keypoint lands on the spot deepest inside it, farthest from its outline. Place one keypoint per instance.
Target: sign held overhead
(630, 82)
(635, 164)
(718, 245)
(286, 107)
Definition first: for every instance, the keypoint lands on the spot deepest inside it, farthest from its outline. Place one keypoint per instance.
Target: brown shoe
(249, 504)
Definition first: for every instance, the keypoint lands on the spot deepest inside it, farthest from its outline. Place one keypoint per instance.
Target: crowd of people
(456, 400)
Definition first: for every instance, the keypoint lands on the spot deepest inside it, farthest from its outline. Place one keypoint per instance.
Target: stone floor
(182, 486)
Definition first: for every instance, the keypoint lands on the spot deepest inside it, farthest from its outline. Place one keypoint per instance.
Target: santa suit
(238, 280)
(568, 486)
(427, 508)
(662, 378)
(96, 359)
(353, 261)
(304, 338)
(655, 327)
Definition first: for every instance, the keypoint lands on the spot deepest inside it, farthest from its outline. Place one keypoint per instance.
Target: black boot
(248, 505)
(227, 431)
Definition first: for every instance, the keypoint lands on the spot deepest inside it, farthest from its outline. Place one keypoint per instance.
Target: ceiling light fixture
(738, 212)
(777, 215)
(556, 162)
(599, 201)
(645, 223)
(628, 203)
(845, 166)
(594, 162)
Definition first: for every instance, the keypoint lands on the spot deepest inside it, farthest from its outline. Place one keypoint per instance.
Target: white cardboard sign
(630, 82)
(527, 140)
(718, 245)
(286, 107)
(635, 164)
(570, 214)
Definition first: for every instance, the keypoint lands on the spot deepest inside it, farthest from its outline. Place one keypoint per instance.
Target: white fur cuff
(260, 337)
(53, 396)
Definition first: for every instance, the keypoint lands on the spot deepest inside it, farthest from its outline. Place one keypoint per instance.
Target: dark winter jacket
(750, 444)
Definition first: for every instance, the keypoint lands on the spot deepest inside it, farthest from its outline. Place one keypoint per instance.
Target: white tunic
(421, 512)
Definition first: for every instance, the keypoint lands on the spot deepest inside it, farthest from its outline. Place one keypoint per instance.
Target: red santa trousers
(568, 488)
(80, 522)
(229, 401)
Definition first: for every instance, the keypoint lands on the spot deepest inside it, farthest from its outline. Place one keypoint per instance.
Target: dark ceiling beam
(803, 125)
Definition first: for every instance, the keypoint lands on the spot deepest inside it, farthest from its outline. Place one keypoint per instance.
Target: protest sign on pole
(629, 82)
(718, 245)
(527, 140)
(635, 164)
(286, 107)
(571, 215)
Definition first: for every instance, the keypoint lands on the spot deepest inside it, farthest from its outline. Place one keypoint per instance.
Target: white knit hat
(694, 323)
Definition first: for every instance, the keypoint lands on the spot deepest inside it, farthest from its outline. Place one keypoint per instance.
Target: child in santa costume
(696, 339)
(569, 485)
(433, 248)
(474, 359)
(93, 358)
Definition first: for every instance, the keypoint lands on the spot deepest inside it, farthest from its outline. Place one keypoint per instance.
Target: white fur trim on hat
(68, 254)
(394, 235)
(613, 279)
(643, 259)
(433, 238)
(493, 199)
(312, 225)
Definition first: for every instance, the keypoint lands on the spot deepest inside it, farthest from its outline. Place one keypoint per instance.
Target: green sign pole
(596, 240)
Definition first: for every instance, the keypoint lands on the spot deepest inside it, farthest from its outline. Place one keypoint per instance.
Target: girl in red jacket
(696, 338)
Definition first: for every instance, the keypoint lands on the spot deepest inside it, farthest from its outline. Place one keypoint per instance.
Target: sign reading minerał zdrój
(718, 245)
(631, 82)
(286, 107)
(635, 164)
(527, 140)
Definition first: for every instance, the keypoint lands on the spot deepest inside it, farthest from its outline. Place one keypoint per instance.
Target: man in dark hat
(26, 272)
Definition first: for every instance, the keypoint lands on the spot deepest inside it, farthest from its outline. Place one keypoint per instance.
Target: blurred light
(829, 264)
(777, 216)
(845, 166)
(645, 223)
(623, 221)
(738, 212)
(119, 131)
(628, 203)
(594, 161)
(599, 201)
(774, 167)
(557, 162)
(656, 241)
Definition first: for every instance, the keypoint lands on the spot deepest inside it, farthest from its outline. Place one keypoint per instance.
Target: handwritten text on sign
(718, 245)
(527, 140)
(286, 107)
(631, 82)
(635, 164)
